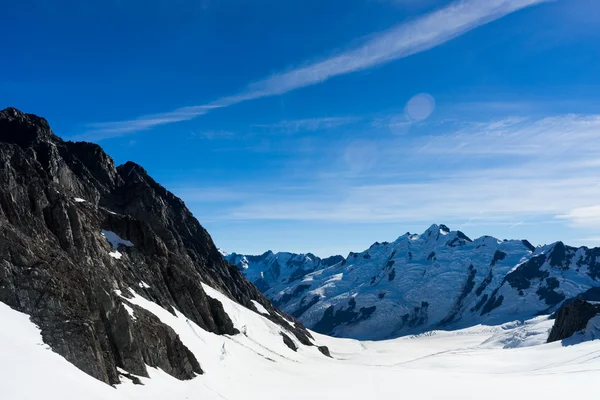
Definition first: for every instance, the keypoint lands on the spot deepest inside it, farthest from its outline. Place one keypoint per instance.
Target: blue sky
(326, 125)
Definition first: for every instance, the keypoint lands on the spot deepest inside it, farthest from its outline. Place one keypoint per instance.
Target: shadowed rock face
(56, 266)
(572, 318)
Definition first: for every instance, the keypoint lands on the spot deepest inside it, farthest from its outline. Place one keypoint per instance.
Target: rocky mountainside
(80, 238)
(440, 279)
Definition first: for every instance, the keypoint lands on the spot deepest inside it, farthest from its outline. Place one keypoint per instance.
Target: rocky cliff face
(440, 279)
(78, 236)
(572, 318)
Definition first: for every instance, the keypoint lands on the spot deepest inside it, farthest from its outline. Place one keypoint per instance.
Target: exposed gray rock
(325, 351)
(572, 318)
(289, 342)
(56, 266)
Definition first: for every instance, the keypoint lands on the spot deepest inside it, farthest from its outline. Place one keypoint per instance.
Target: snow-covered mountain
(272, 269)
(438, 279)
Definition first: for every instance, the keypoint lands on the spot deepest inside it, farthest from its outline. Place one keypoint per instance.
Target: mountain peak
(267, 253)
(24, 129)
(10, 111)
(435, 230)
(438, 227)
(132, 170)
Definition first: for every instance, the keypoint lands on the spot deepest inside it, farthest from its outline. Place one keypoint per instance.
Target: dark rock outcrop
(467, 289)
(572, 318)
(56, 265)
(289, 342)
(325, 351)
(332, 318)
(521, 277)
(592, 294)
(305, 305)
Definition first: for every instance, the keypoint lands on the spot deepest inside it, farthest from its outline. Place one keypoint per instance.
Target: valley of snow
(499, 362)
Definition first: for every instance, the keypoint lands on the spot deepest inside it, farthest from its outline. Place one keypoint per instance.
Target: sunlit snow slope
(507, 361)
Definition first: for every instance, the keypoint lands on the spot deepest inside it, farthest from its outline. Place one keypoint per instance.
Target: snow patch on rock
(144, 285)
(130, 311)
(114, 239)
(259, 307)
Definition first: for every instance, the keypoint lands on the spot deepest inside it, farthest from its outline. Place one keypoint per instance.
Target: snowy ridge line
(393, 289)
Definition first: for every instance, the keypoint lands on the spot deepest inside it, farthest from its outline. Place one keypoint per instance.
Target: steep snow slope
(500, 362)
(439, 279)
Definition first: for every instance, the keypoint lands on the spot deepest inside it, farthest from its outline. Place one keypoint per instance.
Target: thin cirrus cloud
(212, 134)
(105, 130)
(403, 40)
(309, 124)
(543, 169)
(548, 138)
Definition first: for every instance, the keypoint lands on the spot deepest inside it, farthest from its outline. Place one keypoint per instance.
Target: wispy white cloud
(595, 239)
(105, 130)
(584, 216)
(543, 170)
(410, 3)
(541, 137)
(212, 134)
(507, 200)
(406, 39)
(310, 124)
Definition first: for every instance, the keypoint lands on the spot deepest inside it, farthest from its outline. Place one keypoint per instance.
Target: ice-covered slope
(498, 363)
(439, 279)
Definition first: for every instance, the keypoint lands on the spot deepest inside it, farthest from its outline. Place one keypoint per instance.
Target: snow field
(499, 362)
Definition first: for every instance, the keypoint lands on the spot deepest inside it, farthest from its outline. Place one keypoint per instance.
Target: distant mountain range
(270, 269)
(438, 279)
